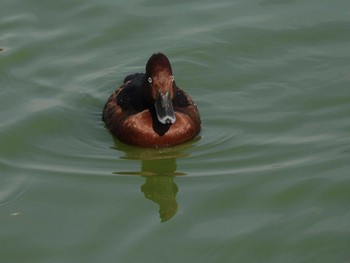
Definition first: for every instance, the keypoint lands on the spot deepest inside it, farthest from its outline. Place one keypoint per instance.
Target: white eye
(150, 80)
(172, 78)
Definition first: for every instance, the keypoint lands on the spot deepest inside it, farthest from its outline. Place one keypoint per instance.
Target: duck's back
(125, 101)
(129, 96)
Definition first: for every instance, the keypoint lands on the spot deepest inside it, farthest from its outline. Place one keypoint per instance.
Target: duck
(150, 110)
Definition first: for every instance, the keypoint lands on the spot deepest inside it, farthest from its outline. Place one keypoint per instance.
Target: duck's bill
(164, 109)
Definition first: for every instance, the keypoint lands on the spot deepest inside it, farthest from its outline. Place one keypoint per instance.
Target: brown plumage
(149, 110)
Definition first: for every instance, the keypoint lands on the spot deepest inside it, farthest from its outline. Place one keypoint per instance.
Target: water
(267, 180)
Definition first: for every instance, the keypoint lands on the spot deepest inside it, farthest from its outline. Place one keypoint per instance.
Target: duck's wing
(129, 97)
(181, 99)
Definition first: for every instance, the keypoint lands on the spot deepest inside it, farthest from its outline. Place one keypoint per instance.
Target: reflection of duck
(149, 110)
(161, 188)
(159, 171)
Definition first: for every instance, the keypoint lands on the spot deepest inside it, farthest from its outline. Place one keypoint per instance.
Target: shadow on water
(158, 167)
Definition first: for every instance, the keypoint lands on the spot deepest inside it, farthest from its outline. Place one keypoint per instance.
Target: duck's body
(149, 110)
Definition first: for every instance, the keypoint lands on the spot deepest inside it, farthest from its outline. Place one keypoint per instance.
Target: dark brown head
(159, 87)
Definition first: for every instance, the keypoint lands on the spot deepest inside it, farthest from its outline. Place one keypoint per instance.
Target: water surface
(267, 180)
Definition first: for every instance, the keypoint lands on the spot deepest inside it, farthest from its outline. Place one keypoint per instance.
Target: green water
(268, 178)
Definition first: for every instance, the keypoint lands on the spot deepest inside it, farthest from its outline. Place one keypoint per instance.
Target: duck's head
(159, 87)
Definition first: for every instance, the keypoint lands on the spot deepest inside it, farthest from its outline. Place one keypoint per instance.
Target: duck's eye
(172, 78)
(149, 80)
